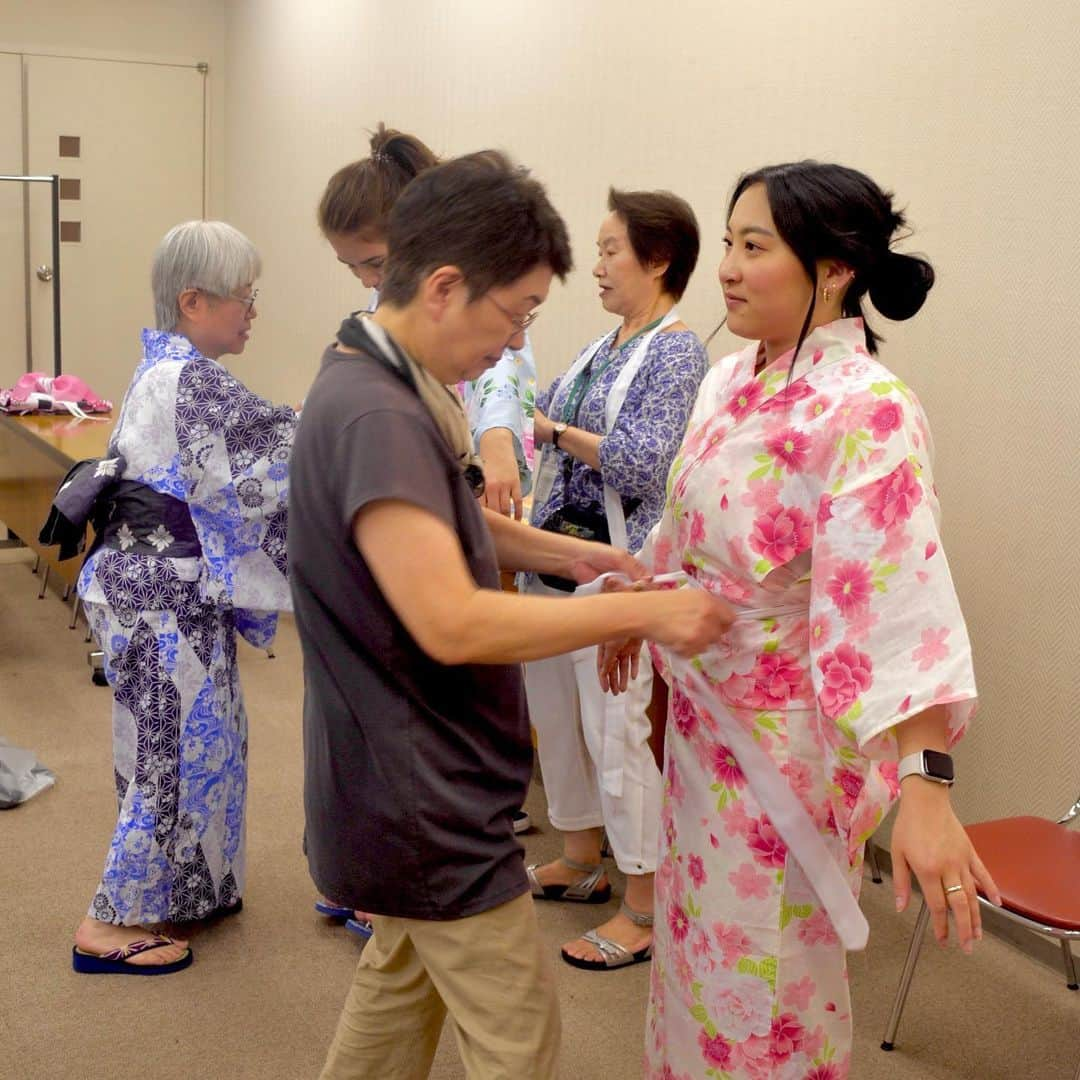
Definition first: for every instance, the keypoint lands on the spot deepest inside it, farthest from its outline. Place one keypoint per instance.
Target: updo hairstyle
(827, 211)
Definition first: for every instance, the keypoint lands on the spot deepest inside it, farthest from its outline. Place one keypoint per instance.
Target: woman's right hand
(688, 620)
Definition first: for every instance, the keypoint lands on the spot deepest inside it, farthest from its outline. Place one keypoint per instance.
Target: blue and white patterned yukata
(167, 626)
(636, 454)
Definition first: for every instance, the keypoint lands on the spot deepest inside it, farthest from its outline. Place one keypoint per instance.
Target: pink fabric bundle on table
(36, 392)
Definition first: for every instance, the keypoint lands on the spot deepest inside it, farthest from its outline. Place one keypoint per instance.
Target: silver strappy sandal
(587, 890)
(612, 953)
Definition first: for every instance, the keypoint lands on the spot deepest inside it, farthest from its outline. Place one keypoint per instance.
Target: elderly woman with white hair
(189, 549)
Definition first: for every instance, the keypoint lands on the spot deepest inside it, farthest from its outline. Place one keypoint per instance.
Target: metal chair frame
(917, 938)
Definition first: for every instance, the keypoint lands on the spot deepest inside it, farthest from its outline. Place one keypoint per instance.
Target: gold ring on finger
(953, 888)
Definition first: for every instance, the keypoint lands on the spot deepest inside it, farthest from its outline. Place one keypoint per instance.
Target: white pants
(594, 752)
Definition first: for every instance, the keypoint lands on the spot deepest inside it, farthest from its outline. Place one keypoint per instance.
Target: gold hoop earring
(825, 294)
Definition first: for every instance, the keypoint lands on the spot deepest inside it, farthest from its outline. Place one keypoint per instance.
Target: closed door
(127, 140)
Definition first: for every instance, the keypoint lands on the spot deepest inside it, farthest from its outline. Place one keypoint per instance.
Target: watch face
(938, 764)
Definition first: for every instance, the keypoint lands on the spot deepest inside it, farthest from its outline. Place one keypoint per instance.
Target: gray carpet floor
(262, 997)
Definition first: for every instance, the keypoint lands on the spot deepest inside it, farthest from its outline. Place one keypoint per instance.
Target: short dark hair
(825, 211)
(480, 213)
(662, 228)
(360, 196)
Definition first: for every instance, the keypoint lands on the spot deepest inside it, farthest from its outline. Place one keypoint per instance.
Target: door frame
(119, 57)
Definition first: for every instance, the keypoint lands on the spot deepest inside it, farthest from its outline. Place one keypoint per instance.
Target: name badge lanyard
(580, 379)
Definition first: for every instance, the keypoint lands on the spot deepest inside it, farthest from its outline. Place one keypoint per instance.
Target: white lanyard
(785, 811)
(549, 461)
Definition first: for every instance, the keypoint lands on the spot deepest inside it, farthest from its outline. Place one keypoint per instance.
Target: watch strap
(915, 765)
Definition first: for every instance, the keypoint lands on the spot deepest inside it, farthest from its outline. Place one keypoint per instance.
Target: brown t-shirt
(412, 769)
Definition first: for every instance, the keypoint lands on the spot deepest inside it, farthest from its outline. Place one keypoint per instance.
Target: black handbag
(582, 524)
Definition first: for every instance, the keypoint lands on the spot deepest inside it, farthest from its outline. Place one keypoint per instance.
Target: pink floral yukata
(810, 499)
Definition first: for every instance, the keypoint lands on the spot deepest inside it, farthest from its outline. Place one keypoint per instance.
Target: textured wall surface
(967, 110)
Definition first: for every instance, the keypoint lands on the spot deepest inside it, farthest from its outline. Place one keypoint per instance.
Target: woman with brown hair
(609, 428)
(353, 215)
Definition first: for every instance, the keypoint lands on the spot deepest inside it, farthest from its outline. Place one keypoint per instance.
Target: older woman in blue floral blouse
(608, 429)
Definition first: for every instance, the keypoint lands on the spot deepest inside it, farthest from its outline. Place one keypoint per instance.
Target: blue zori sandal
(362, 928)
(333, 911)
(115, 962)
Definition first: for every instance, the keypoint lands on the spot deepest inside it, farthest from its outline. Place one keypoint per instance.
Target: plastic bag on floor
(22, 776)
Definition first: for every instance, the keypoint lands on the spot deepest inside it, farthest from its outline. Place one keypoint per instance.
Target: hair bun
(899, 285)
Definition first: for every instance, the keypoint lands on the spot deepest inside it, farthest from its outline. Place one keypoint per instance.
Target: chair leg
(871, 861)
(270, 654)
(37, 564)
(44, 584)
(1070, 967)
(905, 979)
(74, 612)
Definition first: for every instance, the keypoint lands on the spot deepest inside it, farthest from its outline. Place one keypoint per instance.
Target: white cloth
(594, 752)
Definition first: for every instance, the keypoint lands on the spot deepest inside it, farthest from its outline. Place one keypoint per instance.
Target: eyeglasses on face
(247, 301)
(521, 322)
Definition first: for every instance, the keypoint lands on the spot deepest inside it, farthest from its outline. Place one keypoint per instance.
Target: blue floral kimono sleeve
(234, 454)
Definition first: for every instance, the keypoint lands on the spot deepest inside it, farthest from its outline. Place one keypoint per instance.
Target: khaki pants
(489, 971)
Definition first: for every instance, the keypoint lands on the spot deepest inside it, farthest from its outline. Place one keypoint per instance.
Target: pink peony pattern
(806, 499)
(845, 674)
(765, 844)
(781, 533)
(892, 500)
(778, 677)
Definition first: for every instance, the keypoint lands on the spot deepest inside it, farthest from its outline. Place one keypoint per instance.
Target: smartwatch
(930, 765)
(557, 430)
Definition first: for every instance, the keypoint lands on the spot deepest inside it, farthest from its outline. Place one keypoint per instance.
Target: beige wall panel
(968, 110)
(136, 184)
(187, 31)
(12, 248)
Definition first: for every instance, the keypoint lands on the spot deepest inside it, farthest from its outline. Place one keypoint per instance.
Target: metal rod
(57, 365)
(905, 979)
(54, 180)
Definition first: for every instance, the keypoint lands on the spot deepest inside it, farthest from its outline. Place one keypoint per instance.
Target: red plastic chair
(1036, 864)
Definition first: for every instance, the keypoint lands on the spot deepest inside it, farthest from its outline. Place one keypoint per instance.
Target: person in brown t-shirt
(416, 734)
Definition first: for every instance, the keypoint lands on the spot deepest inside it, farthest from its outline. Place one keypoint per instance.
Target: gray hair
(207, 255)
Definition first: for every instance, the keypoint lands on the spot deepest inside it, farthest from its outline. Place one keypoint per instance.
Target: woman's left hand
(589, 560)
(929, 839)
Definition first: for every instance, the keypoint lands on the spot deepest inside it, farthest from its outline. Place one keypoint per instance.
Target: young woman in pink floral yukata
(803, 495)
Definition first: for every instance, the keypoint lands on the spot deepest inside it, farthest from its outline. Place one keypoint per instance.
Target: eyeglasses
(521, 322)
(247, 301)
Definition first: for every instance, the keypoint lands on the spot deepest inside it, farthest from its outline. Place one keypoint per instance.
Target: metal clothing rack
(54, 180)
